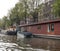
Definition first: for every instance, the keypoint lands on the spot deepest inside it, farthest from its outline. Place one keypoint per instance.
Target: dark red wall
(57, 28)
(44, 29)
(36, 30)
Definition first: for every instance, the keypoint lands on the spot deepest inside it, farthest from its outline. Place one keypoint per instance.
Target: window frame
(48, 27)
(52, 27)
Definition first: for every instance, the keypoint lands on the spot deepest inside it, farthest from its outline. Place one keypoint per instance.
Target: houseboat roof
(42, 22)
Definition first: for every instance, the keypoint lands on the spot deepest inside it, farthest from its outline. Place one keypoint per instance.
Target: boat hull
(24, 34)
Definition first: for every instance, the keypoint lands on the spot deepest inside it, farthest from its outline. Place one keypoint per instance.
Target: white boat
(20, 35)
(24, 34)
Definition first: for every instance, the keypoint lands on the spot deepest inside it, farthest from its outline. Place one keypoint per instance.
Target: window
(52, 27)
(48, 27)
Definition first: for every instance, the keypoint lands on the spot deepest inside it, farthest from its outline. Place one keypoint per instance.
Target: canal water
(12, 43)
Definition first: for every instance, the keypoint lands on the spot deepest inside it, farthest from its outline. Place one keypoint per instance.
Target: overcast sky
(6, 5)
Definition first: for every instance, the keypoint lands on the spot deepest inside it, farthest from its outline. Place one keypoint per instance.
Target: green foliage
(1, 23)
(56, 7)
(6, 22)
(17, 13)
(22, 9)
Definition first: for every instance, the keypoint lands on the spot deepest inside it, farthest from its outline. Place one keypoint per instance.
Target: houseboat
(43, 29)
(47, 25)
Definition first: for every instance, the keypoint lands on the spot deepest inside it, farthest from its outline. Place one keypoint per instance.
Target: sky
(6, 5)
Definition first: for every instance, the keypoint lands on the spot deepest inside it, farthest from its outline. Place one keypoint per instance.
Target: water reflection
(43, 44)
(7, 38)
(8, 43)
(12, 43)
